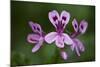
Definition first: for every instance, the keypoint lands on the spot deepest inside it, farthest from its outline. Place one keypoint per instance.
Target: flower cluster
(58, 37)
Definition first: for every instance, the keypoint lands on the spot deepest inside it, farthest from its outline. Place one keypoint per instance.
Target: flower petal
(83, 26)
(36, 48)
(32, 25)
(38, 27)
(59, 41)
(80, 45)
(33, 38)
(50, 37)
(64, 17)
(64, 55)
(35, 27)
(72, 47)
(75, 47)
(77, 51)
(75, 25)
(38, 45)
(67, 39)
(53, 17)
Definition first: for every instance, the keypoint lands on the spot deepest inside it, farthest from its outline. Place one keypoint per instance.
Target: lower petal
(49, 38)
(72, 47)
(36, 48)
(59, 42)
(80, 45)
(67, 39)
(33, 38)
(77, 51)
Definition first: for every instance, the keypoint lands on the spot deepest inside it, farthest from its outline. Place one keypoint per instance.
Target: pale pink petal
(32, 25)
(35, 27)
(83, 26)
(36, 48)
(38, 27)
(53, 17)
(75, 47)
(64, 17)
(64, 55)
(75, 25)
(33, 38)
(38, 45)
(50, 37)
(77, 51)
(59, 41)
(80, 45)
(67, 39)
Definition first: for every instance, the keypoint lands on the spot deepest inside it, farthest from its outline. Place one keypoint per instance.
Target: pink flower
(36, 38)
(59, 22)
(79, 29)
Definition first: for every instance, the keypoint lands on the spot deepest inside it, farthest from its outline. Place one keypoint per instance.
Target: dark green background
(22, 12)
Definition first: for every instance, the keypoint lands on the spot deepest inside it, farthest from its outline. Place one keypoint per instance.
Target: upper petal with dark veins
(64, 17)
(53, 17)
(83, 26)
(75, 25)
(35, 27)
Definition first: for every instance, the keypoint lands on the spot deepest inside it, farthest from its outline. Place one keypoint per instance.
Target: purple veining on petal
(35, 27)
(59, 26)
(32, 25)
(79, 29)
(75, 25)
(55, 18)
(38, 28)
(59, 22)
(83, 26)
(33, 38)
(64, 18)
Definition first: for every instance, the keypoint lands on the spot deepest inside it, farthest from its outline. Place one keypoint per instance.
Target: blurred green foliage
(22, 12)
